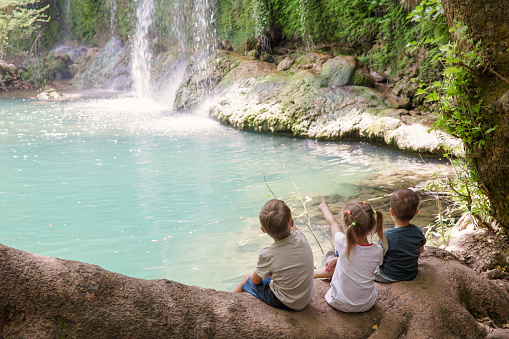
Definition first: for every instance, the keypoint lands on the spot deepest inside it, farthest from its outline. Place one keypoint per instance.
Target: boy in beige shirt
(283, 277)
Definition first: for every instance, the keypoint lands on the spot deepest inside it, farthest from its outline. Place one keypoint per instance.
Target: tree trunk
(43, 297)
(488, 21)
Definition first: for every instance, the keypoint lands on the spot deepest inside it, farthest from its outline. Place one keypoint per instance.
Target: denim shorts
(380, 277)
(263, 292)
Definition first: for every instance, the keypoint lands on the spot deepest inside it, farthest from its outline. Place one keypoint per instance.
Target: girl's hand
(323, 205)
(329, 265)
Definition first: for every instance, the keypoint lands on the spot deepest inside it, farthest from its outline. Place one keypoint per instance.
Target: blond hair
(275, 218)
(360, 219)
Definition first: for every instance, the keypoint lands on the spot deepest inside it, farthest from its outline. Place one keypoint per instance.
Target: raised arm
(334, 226)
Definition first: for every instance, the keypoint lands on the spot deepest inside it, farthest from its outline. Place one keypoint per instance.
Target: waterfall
(141, 53)
(202, 33)
(113, 18)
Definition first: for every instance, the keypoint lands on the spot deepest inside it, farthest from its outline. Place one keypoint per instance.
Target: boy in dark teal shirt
(406, 241)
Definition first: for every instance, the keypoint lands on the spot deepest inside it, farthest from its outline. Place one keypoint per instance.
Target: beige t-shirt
(289, 262)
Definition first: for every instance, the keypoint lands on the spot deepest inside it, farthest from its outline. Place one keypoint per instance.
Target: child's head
(360, 219)
(404, 204)
(276, 218)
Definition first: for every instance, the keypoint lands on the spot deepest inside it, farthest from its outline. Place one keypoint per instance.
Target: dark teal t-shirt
(400, 261)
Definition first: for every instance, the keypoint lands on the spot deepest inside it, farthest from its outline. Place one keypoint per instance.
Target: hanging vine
(261, 15)
(305, 23)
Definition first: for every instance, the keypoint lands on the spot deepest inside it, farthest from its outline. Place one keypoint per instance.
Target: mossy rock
(338, 71)
(361, 78)
(58, 66)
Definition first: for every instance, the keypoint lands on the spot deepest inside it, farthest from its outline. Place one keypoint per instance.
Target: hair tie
(353, 223)
(349, 212)
(374, 212)
(364, 203)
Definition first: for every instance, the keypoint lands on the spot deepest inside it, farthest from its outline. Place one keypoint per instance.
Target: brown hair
(404, 203)
(275, 218)
(360, 219)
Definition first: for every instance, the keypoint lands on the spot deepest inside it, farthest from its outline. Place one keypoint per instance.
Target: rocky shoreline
(318, 96)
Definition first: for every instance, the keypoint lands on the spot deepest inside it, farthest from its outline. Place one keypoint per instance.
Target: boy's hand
(330, 264)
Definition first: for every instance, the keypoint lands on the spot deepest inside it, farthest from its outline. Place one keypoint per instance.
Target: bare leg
(238, 288)
(321, 273)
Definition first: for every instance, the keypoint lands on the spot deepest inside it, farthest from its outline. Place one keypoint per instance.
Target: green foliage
(378, 30)
(236, 22)
(464, 195)
(125, 15)
(88, 18)
(461, 113)
(19, 21)
(37, 72)
(438, 234)
(460, 106)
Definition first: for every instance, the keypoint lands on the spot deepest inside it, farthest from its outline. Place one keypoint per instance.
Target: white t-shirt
(352, 288)
(289, 262)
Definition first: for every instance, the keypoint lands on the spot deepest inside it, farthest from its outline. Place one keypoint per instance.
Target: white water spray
(202, 33)
(141, 53)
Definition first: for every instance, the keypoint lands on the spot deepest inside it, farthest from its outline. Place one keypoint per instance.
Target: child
(352, 288)
(406, 241)
(283, 277)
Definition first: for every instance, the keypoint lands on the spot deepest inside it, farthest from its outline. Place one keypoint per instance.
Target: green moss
(361, 79)
(64, 329)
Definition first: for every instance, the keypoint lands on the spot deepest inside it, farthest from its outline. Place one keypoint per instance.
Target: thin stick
(305, 210)
(325, 232)
(266, 184)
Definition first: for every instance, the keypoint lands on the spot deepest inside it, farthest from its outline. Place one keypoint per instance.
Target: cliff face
(43, 297)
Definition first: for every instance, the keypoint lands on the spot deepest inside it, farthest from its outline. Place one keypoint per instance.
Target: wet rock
(285, 64)
(50, 94)
(312, 61)
(405, 90)
(108, 67)
(380, 76)
(11, 77)
(226, 45)
(338, 71)
(297, 103)
(58, 66)
(253, 53)
(8, 70)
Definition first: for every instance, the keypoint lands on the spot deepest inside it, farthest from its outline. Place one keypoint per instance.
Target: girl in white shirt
(352, 288)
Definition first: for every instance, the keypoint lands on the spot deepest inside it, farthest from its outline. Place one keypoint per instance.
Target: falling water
(113, 19)
(66, 18)
(141, 53)
(203, 32)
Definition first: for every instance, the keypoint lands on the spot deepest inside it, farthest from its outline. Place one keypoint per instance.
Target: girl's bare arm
(334, 226)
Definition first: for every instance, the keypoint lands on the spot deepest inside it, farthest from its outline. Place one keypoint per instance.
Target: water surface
(139, 189)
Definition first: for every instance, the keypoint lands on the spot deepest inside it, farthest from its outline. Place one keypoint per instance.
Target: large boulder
(338, 71)
(254, 95)
(44, 297)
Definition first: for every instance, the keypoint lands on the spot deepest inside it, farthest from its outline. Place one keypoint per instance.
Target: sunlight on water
(136, 188)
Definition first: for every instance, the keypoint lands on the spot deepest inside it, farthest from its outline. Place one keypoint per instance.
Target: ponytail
(350, 240)
(379, 229)
(360, 219)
